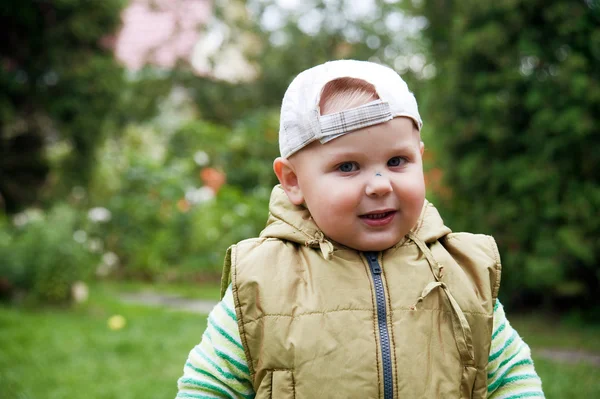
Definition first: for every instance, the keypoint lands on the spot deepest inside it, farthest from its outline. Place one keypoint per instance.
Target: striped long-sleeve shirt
(217, 367)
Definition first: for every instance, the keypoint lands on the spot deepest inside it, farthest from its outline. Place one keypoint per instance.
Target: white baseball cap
(301, 122)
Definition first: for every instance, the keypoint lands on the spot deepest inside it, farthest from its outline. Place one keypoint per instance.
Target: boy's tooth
(376, 215)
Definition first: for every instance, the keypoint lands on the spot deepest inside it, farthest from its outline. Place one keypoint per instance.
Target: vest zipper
(384, 338)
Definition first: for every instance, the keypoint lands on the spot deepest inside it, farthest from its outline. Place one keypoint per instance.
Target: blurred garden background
(136, 144)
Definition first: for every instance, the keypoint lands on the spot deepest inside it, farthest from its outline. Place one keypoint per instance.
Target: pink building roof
(160, 32)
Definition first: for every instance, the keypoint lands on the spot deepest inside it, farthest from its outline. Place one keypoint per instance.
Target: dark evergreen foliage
(57, 82)
(515, 109)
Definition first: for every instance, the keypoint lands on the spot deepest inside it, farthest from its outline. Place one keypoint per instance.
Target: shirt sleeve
(510, 370)
(217, 367)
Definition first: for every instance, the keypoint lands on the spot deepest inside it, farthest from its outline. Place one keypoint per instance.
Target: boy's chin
(374, 245)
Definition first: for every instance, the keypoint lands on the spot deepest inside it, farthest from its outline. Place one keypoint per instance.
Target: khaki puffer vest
(319, 320)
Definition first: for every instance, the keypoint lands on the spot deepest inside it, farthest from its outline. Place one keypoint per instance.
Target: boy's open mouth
(378, 215)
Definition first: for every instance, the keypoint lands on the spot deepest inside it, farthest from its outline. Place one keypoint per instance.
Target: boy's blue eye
(347, 167)
(396, 161)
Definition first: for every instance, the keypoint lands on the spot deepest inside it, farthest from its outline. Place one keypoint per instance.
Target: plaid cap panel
(369, 114)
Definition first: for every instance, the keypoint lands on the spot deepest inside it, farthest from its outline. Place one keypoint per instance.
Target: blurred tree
(260, 46)
(516, 112)
(59, 87)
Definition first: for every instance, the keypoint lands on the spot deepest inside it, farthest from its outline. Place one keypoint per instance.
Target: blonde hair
(345, 93)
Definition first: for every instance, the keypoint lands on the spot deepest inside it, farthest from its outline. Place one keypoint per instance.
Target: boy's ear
(289, 180)
(422, 147)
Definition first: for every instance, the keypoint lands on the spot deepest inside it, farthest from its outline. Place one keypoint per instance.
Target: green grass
(561, 380)
(71, 353)
(547, 332)
(566, 381)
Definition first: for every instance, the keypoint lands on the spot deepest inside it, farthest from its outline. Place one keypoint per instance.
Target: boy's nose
(378, 185)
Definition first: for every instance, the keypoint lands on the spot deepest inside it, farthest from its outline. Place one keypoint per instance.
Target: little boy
(356, 288)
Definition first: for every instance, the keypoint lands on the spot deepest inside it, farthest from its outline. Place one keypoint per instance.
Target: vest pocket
(277, 384)
(468, 382)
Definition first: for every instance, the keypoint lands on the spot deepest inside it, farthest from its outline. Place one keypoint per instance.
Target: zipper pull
(376, 268)
(372, 257)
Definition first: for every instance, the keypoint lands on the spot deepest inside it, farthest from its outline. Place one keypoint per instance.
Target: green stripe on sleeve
(195, 396)
(509, 341)
(229, 312)
(499, 330)
(205, 385)
(517, 378)
(224, 333)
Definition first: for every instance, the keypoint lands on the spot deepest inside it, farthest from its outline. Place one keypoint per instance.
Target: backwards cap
(301, 122)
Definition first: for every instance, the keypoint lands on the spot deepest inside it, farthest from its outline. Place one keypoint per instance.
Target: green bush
(178, 201)
(515, 111)
(232, 216)
(245, 152)
(158, 238)
(40, 257)
(61, 85)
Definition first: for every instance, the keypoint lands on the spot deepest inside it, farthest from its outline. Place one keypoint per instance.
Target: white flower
(103, 270)
(202, 194)
(34, 214)
(28, 216)
(110, 259)
(95, 245)
(80, 236)
(201, 158)
(20, 219)
(80, 292)
(99, 215)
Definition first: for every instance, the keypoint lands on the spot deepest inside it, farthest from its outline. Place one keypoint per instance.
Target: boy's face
(365, 189)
